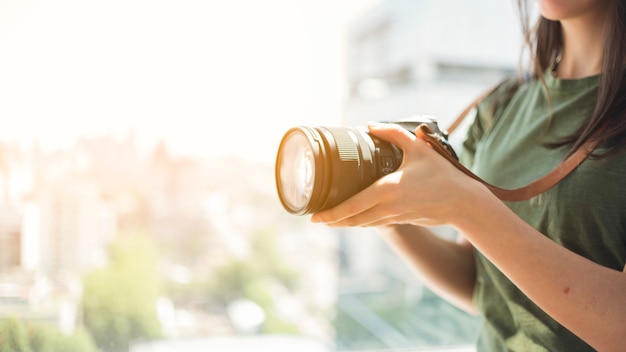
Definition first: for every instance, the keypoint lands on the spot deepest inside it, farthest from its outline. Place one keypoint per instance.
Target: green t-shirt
(585, 212)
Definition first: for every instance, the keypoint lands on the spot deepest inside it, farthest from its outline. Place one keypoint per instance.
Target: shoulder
(501, 94)
(490, 105)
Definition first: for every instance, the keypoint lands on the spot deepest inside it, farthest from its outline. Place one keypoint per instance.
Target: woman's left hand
(426, 190)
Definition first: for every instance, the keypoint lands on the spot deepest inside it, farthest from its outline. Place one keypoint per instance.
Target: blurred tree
(266, 255)
(13, 336)
(119, 300)
(46, 338)
(20, 336)
(230, 281)
(255, 278)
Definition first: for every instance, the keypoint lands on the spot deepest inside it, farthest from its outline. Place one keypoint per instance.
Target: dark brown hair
(607, 124)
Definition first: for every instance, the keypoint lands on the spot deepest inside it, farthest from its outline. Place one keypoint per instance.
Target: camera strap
(519, 194)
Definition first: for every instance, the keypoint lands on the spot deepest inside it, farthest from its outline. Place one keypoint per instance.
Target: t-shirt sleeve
(485, 116)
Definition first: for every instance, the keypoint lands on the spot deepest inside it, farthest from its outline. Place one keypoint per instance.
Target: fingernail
(376, 124)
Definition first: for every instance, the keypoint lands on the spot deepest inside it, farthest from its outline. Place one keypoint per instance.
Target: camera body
(319, 167)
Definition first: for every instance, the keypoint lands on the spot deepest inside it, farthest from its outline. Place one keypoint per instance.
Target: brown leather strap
(524, 193)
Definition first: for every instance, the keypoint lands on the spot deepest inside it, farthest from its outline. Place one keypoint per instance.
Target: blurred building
(60, 210)
(404, 58)
(68, 229)
(11, 246)
(427, 57)
(55, 225)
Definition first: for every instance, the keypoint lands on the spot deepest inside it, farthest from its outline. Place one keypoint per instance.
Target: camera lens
(319, 167)
(297, 171)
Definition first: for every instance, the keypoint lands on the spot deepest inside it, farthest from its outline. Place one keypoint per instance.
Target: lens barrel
(319, 167)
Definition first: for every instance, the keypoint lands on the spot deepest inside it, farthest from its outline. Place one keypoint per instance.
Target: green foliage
(46, 338)
(81, 341)
(275, 325)
(251, 278)
(13, 336)
(119, 301)
(231, 281)
(267, 258)
(246, 279)
(18, 336)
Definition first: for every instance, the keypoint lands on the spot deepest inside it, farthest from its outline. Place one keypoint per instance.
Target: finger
(423, 222)
(382, 216)
(378, 217)
(376, 214)
(372, 204)
(392, 133)
(368, 198)
(349, 208)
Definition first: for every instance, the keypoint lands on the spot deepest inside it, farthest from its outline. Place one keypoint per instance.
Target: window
(139, 207)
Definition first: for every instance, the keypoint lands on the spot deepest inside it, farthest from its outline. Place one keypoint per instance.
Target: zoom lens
(319, 167)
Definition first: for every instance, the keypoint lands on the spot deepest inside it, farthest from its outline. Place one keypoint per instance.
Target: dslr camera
(319, 167)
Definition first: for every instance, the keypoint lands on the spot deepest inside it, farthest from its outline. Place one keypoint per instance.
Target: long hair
(606, 126)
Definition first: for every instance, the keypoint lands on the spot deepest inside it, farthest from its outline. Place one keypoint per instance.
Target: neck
(583, 47)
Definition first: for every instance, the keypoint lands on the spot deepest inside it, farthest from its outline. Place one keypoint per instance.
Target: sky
(210, 77)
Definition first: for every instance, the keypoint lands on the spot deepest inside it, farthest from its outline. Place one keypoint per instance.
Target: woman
(547, 273)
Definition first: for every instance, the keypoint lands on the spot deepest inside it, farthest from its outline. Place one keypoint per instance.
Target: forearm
(585, 297)
(447, 267)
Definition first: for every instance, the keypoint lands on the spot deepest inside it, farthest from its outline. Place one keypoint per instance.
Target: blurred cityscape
(125, 250)
(228, 260)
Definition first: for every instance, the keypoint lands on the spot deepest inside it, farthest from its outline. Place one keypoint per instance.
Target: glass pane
(137, 193)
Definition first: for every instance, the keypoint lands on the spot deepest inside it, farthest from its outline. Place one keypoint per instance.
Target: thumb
(392, 133)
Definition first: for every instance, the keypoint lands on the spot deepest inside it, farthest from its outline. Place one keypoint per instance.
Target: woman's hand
(426, 190)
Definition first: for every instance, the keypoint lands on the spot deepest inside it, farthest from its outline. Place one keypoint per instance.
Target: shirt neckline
(557, 84)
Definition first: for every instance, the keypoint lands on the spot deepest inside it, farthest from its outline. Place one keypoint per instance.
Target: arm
(447, 267)
(586, 298)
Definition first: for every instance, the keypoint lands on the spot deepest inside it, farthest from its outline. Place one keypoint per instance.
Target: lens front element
(297, 171)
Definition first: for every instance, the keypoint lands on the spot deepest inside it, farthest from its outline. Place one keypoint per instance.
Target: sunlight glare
(211, 78)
